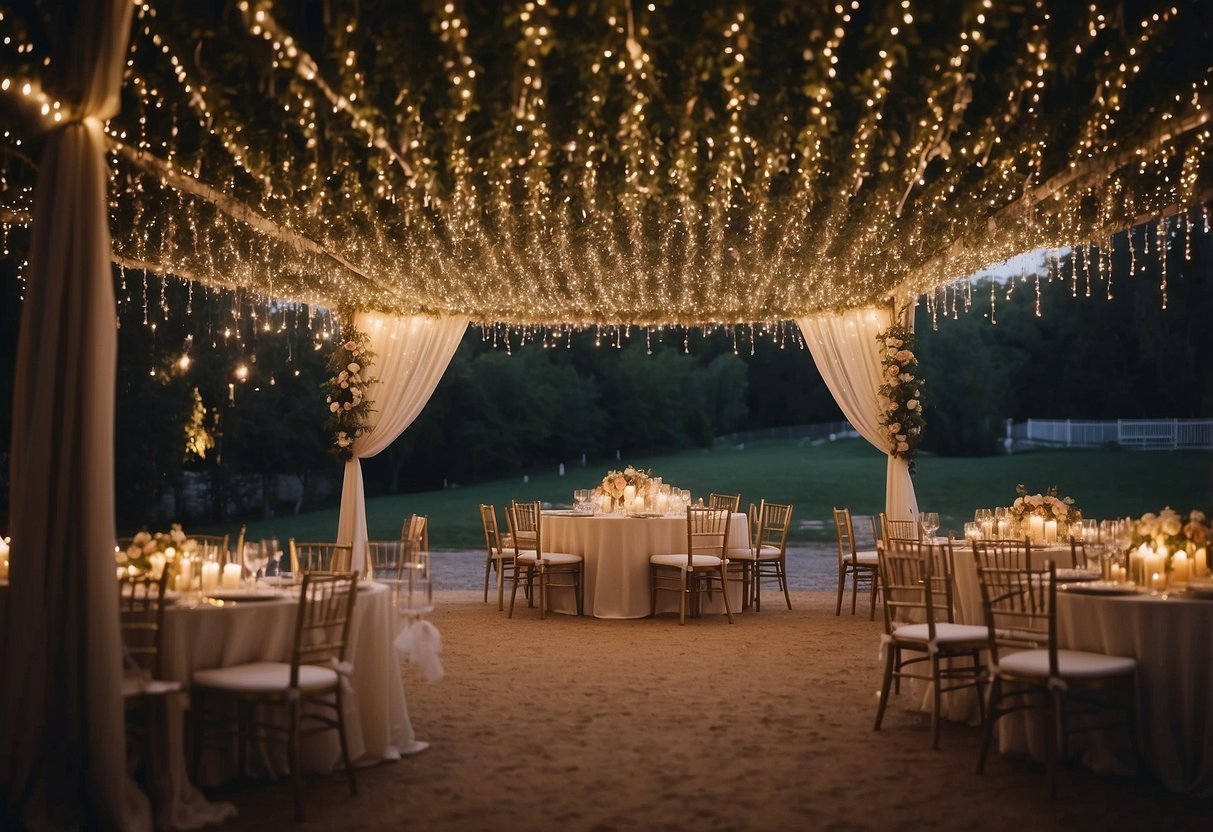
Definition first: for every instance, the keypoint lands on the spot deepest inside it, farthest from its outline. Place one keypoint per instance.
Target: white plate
(241, 595)
(1074, 575)
(1099, 588)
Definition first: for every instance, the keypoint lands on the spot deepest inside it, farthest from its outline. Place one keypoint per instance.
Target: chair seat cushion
(867, 557)
(136, 684)
(769, 552)
(740, 554)
(680, 561)
(554, 558)
(945, 633)
(1072, 664)
(265, 677)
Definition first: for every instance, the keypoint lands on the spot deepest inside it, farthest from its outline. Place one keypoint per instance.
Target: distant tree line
(551, 401)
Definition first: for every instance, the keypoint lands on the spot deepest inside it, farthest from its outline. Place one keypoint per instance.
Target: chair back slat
(899, 529)
(141, 619)
(524, 521)
(846, 535)
(492, 533)
(1018, 601)
(322, 626)
(320, 557)
(774, 521)
(707, 532)
(729, 502)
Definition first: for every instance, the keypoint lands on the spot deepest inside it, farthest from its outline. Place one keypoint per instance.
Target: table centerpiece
(1044, 518)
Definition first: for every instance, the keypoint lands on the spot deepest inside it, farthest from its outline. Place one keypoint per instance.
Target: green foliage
(813, 478)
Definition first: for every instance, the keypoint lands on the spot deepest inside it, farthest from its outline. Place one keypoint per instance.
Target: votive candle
(1200, 567)
(1050, 531)
(1179, 568)
(231, 576)
(210, 575)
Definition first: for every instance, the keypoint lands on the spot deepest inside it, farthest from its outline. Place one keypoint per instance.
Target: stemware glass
(930, 522)
(256, 558)
(984, 519)
(415, 596)
(1003, 522)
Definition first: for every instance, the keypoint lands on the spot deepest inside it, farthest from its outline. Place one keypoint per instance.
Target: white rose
(912, 404)
(353, 367)
(334, 407)
(1171, 524)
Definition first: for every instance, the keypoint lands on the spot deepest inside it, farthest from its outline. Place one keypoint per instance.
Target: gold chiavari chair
(693, 573)
(529, 554)
(771, 548)
(916, 584)
(899, 529)
(308, 687)
(320, 557)
(497, 556)
(1021, 616)
(141, 604)
(863, 567)
(415, 532)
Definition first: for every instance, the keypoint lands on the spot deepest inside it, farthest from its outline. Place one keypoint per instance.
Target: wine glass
(930, 522)
(415, 597)
(984, 518)
(256, 558)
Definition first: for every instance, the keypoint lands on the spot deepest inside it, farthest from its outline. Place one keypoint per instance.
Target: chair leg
(652, 591)
(981, 702)
(345, 746)
(514, 590)
(886, 683)
(488, 562)
(937, 684)
(500, 585)
(682, 598)
(993, 694)
(1053, 738)
(854, 589)
(543, 593)
(757, 586)
(872, 606)
(296, 763)
(198, 718)
(724, 590)
(842, 582)
(783, 580)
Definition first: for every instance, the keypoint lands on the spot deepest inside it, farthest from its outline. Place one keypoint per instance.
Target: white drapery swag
(848, 356)
(411, 354)
(61, 712)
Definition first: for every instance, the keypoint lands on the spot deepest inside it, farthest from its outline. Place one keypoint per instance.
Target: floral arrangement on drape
(901, 393)
(349, 407)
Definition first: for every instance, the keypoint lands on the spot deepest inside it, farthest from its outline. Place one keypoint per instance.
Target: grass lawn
(814, 478)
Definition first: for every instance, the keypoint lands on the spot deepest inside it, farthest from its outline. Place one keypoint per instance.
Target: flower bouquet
(151, 553)
(348, 405)
(629, 483)
(901, 393)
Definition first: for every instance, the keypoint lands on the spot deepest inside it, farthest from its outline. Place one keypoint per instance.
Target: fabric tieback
(421, 642)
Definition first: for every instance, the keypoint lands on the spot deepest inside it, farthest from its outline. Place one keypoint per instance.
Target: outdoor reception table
(376, 716)
(616, 549)
(1171, 637)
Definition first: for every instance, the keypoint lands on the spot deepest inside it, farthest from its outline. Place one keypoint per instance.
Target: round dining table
(260, 626)
(1169, 636)
(616, 549)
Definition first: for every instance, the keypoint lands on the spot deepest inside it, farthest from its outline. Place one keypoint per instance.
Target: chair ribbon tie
(421, 642)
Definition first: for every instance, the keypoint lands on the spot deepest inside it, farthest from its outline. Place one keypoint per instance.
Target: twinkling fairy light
(622, 163)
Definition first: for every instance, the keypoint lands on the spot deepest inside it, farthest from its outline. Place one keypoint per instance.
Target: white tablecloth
(1172, 640)
(376, 716)
(966, 591)
(616, 549)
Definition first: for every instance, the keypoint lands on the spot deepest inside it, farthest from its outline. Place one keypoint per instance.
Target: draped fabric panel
(411, 354)
(848, 356)
(61, 713)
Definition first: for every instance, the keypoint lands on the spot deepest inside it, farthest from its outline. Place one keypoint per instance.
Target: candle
(186, 570)
(1118, 573)
(1157, 581)
(1137, 564)
(1199, 567)
(638, 505)
(157, 565)
(629, 495)
(1050, 532)
(1036, 528)
(663, 503)
(1179, 568)
(1002, 528)
(210, 575)
(231, 576)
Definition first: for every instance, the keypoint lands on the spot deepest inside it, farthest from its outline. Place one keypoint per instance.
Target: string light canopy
(606, 162)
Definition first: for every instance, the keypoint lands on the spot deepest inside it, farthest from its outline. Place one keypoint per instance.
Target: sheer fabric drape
(848, 356)
(411, 354)
(61, 714)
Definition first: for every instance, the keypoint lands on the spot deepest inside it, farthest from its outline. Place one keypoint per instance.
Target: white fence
(1144, 434)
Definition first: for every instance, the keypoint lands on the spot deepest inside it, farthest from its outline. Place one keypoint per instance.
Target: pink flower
(351, 345)
(348, 406)
(895, 427)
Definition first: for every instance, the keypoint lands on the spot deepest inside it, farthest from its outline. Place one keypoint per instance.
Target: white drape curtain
(61, 713)
(848, 356)
(411, 354)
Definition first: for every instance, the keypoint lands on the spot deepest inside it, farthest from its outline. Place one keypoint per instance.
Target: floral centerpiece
(346, 398)
(151, 553)
(1047, 506)
(901, 393)
(1170, 530)
(615, 483)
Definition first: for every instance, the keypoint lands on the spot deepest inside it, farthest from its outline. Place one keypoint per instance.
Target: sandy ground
(581, 724)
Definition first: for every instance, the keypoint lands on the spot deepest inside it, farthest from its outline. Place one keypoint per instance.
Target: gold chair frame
(707, 534)
(865, 573)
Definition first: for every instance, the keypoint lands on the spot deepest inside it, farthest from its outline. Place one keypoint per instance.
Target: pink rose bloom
(895, 427)
(351, 346)
(904, 355)
(902, 446)
(348, 406)
(1196, 532)
(897, 342)
(621, 483)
